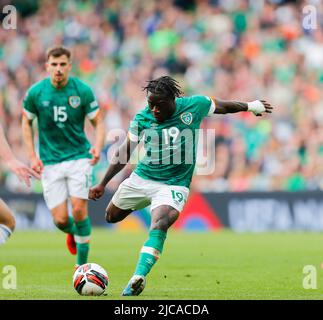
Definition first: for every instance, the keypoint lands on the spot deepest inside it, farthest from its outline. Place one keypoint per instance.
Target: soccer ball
(90, 279)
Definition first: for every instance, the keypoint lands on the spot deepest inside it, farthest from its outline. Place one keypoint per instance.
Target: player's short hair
(58, 51)
(165, 86)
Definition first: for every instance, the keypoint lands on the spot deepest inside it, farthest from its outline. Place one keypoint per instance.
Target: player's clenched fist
(96, 192)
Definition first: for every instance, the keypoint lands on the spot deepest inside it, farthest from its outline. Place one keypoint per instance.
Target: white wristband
(256, 107)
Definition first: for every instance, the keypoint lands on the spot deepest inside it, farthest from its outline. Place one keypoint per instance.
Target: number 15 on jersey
(60, 114)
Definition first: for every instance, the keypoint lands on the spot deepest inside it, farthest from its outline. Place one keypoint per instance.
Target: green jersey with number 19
(61, 114)
(170, 146)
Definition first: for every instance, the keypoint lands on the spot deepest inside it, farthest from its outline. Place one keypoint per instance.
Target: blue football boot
(135, 286)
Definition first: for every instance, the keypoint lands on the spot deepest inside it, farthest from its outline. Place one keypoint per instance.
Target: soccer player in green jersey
(169, 127)
(61, 104)
(24, 173)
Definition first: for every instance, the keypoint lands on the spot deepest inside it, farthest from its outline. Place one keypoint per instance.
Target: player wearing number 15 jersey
(168, 125)
(61, 104)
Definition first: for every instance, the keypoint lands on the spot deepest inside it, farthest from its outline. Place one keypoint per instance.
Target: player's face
(59, 69)
(161, 107)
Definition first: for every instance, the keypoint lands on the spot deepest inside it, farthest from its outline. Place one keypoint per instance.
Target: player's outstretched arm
(257, 107)
(118, 162)
(22, 171)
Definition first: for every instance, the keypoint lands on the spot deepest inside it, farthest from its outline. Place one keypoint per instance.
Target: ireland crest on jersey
(187, 118)
(74, 101)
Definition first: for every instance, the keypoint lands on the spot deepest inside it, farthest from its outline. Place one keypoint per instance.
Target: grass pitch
(211, 265)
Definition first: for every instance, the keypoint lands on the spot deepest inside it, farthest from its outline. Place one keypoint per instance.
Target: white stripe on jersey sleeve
(212, 107)
(92, 115)
(29, 114)
(94, 104)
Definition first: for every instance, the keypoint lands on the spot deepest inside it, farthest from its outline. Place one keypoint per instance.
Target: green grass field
(220, 265)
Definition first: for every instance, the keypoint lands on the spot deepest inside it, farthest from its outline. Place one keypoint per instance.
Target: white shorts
(66, 179)
(135, 193)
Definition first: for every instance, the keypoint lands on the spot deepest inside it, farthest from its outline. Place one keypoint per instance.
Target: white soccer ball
(90, 279)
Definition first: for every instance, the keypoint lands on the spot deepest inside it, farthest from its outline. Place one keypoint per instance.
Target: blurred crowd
(233, 50)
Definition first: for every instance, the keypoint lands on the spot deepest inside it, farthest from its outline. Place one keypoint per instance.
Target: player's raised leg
(7, 222)
(114, 214)
(83, 229)
(162, 218)
(128, 198)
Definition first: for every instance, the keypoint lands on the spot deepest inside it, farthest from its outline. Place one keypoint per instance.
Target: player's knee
(61, 221)
(11, 222)
(77, 211)
(109, 217)
(6, 216)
